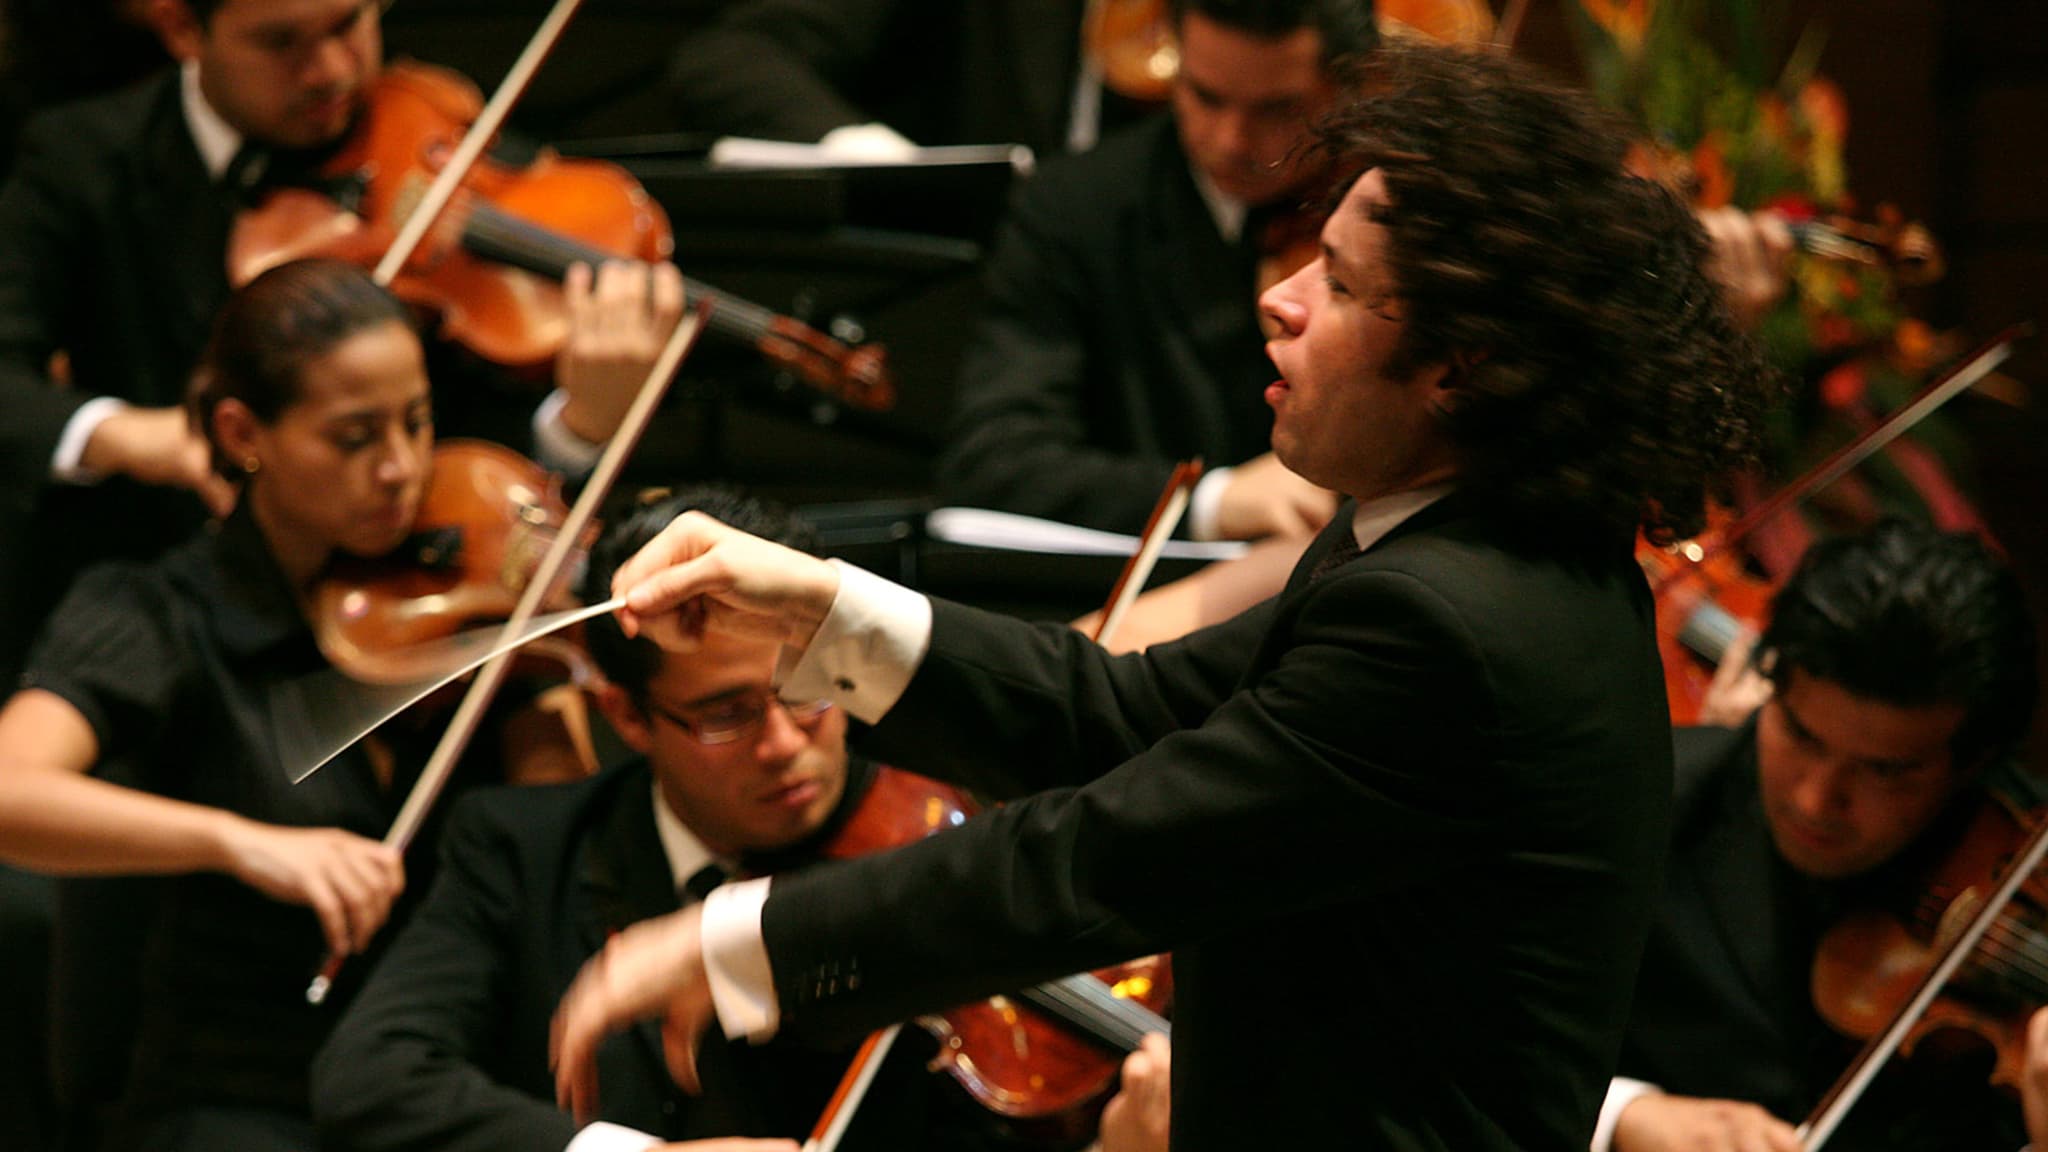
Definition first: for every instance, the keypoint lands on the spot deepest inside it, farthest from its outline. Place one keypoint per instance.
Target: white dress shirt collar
(686, 854)
(217, 140)
(1227, 211)
(1375, 518)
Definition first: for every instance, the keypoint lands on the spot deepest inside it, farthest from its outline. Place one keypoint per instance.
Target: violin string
(1087, 1002)
(1062, 1000)
(2015, 966)
(2021, 952)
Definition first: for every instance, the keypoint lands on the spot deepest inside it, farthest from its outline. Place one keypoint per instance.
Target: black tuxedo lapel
(625, 879)
(1732, 866)
(1328, 538)
(1185, 260)
(170, 185)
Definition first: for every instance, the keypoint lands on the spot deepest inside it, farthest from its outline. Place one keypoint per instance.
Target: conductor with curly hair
(1401, 825)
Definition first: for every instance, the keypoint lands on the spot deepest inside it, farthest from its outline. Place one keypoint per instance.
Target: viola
(1046, 1058)
(490, 266)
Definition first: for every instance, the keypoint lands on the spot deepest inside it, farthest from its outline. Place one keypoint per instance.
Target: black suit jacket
(1120, 335)
(111, 242)
(1399, 827)
(446, 1047)
(1723, 1005)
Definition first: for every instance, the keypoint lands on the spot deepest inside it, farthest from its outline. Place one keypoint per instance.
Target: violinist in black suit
(446, 1046)
(1121, 331)
(1441, 755)
(1901, 667)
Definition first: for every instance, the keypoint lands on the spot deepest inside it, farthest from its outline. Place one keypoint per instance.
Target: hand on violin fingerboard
(1737, 688)
(619, 318)
(1751, 260)
(1660, 1123)
(1139, 1116)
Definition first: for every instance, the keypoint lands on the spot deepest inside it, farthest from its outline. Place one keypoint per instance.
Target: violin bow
(486, 126)
(434, 777)
(1166, 516)
(1848, 1089)
(1944, 388)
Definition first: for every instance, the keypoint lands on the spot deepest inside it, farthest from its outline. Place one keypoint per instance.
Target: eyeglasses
(738, 718)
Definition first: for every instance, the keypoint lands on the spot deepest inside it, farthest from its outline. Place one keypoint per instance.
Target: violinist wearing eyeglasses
(1900, 667)
(446, 1048)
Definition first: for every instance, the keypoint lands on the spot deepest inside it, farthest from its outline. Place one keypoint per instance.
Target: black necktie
(700, 884)
(244, 175)
(1345, 547)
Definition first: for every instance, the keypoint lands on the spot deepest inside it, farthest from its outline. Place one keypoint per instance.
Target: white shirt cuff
(1206, 502)
(64, 463)
(603, 1137)
(557, 447)
(867, 649)
(736, 961)
(1621, 1092)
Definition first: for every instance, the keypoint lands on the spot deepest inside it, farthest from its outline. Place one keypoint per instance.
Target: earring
(251, 465)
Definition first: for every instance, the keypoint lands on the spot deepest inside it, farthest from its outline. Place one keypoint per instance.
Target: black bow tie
(700, 883)
(244, 175)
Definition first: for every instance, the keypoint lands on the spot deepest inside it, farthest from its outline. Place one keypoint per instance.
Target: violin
(490, 266)
(1132, 43)
(1870, 963)
(1965, 957)
(486, 520)
(1046, 1058)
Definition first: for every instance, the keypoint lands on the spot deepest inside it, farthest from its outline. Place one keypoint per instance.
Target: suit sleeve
(1020, 439)
(402, 1071)
(1355, 765)
(40, 238)
(1061, 710)
(779, 69)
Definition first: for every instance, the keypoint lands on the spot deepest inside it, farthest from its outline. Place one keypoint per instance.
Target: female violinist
(143, 743)
(1903, 669)
(114, 226)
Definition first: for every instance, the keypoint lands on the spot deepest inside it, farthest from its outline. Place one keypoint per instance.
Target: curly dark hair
(630, 662)
(1605, 380)
(1910, 616)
